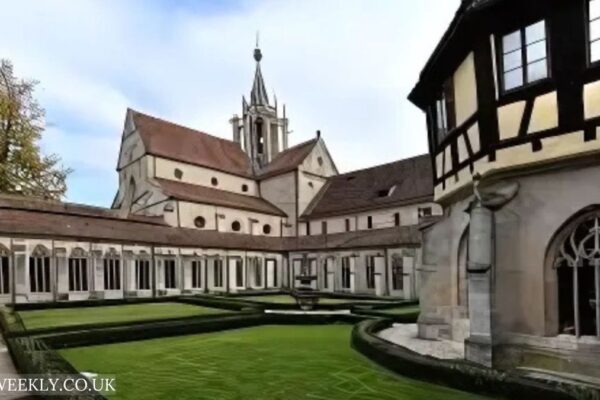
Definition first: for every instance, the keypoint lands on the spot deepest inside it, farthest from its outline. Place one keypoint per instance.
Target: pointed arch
(40, 251)
(4, 251)
(572, 276)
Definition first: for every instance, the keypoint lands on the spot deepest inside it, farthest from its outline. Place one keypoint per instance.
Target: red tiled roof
(367, 189)
(52, 222)
(207, 195)
(288, 160)
(166, 139)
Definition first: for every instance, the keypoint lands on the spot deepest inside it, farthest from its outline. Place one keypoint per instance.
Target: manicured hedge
(10, 322)
(219, 302)
(103, 325)
(33, 356)
(409, 318)
(178, 328)
(92, 303)
(458, 374)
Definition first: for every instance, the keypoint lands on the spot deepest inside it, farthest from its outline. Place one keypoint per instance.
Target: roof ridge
(382, 165)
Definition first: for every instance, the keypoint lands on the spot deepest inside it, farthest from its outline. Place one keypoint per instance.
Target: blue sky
(342, 66)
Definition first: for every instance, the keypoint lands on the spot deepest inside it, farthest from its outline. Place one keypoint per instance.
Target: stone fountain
(306, 297)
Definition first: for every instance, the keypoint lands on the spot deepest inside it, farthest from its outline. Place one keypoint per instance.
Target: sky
(344, 67)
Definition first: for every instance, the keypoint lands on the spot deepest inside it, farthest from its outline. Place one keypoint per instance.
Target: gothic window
(39, 270)
(370, 272)
(346, 273)
(112, 273)
(196, 274)
(524, 57)
(169, 270)
(397, 272)
(259, 136)
(142, 274)
(594, 30)
(577, 267)
(78, 271)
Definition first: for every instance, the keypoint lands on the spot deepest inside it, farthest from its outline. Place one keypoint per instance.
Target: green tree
(23, 169)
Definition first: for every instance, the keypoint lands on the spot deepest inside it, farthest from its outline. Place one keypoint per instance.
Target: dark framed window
(594, 30)
(308, 229)
(324, 227)
(78, 276)
(236, 226)
(244, 188)
(346, 273)
(370, 272)
(178, 173)
(524, 56)
(39, 274)
(214, 181)
(4, 275)
(142, 274)
(267, 229)
(196, 274)
(397, 272)
(170, 274)
(347, 224)
(239, 273)
(445, 111)
(370, 222)
(397, 219)
(325, 274)
(425, 212)
(112, 274)
(218, 273)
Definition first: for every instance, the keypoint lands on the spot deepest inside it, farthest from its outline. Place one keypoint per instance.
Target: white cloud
(344, 67)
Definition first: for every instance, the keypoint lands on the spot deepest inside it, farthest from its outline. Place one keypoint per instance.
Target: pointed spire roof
(258, 96)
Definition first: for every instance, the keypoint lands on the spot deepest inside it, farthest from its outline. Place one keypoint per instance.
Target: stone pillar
(478, 347)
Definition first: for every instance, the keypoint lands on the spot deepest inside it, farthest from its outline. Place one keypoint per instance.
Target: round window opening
(236, 226)
(178, 173)
(200, 222)
(244, 188)
(267, 229)
(214, 181)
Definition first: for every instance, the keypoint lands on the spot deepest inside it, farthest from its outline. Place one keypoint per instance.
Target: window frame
(112, 273)
(499, 50)
(170, 273)
(78, 274)
(196, 266)
(588, 35)
(370, 271)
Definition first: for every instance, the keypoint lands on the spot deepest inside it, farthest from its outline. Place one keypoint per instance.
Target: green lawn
(270, 362)
(122, 313)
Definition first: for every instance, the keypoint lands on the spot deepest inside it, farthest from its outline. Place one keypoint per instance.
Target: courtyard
(268, 362)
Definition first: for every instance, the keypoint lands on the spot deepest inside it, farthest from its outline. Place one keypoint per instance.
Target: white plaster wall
(202, 176)
(188, 212)
(281, 191)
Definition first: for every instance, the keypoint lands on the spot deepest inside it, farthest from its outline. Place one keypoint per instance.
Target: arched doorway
(575, 265)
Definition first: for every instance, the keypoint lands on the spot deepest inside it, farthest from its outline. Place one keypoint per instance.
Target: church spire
(258, 96)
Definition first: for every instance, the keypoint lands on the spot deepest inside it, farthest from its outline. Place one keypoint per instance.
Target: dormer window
(524, 56)
(594, 30)
(445, 113)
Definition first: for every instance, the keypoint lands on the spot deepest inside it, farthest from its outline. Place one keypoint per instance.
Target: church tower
(261, 133)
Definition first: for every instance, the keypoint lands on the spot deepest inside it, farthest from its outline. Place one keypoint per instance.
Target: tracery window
(39, 270)
(578, 271)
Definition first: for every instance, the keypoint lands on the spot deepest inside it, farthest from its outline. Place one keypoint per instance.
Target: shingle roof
(52, 222)
(288, 160)
(166, 139)
(206, 195)
(411, 180)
